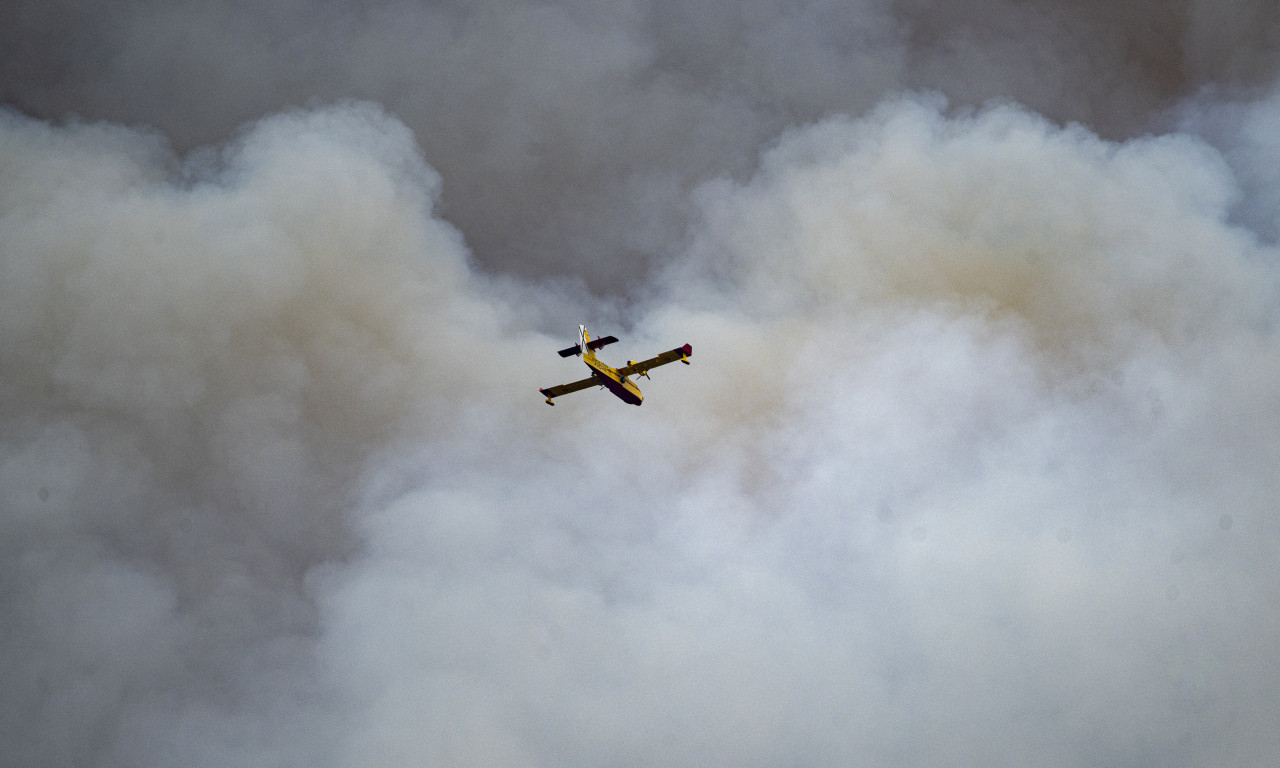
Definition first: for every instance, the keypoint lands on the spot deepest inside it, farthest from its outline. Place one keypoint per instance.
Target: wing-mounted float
(614, 379)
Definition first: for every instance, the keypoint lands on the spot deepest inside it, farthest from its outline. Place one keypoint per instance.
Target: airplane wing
(573, 386)
(679, 353)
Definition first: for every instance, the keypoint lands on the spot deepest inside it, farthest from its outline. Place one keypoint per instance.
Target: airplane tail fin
(581, 347)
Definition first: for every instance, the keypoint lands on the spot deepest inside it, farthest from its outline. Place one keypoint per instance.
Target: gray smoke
(976, 461)
(571, 132)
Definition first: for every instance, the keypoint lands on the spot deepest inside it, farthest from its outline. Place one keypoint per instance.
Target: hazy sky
(976, 463)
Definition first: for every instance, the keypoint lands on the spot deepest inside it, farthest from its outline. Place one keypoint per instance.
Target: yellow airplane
(615, 379)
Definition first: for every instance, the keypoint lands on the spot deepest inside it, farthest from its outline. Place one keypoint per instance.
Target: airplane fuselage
(619, 385)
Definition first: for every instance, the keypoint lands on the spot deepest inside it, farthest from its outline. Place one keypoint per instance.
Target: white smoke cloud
(916, 498)
(195, 371)
(1245, 132)
(975, 460)
(571, 132)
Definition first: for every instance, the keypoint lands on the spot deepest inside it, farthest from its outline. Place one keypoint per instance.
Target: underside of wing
(644, 366)
(573, 386)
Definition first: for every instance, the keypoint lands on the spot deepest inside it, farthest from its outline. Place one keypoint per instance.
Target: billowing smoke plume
(569, 132)
(976, 461)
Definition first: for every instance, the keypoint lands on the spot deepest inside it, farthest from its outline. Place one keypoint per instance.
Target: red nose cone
(688, 349)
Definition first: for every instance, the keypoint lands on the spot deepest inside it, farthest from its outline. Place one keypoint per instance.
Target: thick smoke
(569, 132)
(976, 460)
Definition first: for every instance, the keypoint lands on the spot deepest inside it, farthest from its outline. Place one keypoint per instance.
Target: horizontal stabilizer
(592, 345)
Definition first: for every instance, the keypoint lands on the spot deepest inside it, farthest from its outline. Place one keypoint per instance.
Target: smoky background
(976, 460)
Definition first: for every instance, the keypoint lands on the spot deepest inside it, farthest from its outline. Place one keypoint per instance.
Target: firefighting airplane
(615, 379)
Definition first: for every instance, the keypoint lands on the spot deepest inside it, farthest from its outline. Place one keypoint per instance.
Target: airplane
(614, 379)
